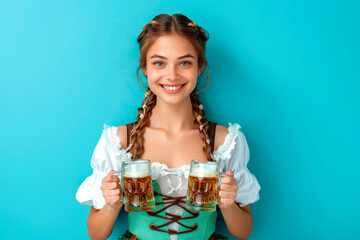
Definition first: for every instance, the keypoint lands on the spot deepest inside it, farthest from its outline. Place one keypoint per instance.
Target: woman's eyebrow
(162, 57)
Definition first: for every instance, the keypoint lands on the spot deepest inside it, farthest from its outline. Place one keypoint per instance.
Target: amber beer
(202, 186)
(137, 185)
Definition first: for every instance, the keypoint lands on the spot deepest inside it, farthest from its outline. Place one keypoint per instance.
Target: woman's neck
(172, 118)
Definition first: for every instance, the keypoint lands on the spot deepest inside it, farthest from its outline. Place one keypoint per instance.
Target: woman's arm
(101, 222)
(238, 219)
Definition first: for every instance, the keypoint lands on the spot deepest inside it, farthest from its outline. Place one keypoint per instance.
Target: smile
(172, 88)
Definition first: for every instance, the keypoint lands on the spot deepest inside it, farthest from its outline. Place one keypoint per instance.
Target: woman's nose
(172, 73)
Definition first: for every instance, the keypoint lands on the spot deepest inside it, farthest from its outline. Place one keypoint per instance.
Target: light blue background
(286, 71)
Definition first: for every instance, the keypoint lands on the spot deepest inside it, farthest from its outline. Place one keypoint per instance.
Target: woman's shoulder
(122, 134)
(115, 135)
(225, 138)
(220, 135)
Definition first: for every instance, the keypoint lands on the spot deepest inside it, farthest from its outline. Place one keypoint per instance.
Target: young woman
(171, 130)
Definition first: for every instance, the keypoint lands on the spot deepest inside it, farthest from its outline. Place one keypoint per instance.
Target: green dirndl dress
(153, 224)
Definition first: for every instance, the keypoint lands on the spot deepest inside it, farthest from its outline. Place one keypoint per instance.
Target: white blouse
(233, 154)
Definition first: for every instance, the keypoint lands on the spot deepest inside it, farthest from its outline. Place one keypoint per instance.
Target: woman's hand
(227, 190)
(111, 190)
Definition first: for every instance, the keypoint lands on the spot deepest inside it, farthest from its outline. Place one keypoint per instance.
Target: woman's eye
(158, 64)
(186, 63)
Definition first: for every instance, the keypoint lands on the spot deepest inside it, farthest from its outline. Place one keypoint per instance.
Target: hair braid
(203, 125)
(136, 147)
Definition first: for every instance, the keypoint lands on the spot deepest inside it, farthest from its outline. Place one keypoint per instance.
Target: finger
(111, 178)
(228, 187)
(112, 193)
(226, 201)
(111, 185)
(114, 178)
(229, 173)
(113, 199)
(228, 195)
(108, 176)
(228, 180)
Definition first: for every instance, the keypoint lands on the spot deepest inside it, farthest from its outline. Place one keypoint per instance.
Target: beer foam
(136, 174)
(203, 174)
(204, 170)
(136, 169)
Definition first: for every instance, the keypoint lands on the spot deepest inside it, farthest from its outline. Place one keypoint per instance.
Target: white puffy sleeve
(107, 155)
(234, 155)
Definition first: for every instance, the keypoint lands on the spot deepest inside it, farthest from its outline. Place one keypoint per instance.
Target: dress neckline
(118, 141)
(221, 153)
(165, 167)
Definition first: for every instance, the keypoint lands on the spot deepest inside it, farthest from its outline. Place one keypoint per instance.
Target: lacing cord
(172, 217)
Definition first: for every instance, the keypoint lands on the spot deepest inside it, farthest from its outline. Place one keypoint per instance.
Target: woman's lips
(172, 88)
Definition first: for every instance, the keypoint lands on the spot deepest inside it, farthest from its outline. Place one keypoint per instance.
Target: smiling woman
(171, 130)
(172, 74)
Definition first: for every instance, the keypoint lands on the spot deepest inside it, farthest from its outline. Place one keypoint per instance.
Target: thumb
(108, 176)
(229, 173)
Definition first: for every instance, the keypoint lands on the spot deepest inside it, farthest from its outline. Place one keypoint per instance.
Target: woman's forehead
(171, 46)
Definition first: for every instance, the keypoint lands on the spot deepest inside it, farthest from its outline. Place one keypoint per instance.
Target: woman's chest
(173, 151)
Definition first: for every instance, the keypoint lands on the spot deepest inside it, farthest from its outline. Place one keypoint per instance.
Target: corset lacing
(172, 217)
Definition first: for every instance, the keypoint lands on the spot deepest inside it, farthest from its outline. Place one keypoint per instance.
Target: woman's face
(172, 68)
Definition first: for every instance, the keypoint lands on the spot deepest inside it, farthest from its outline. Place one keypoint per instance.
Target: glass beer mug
(137, 185)
(202, 186)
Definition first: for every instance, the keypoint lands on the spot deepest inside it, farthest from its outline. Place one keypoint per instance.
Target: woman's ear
(144, 71)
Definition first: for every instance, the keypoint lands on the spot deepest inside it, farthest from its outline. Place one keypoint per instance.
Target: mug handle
(221, 175)
(119, 175)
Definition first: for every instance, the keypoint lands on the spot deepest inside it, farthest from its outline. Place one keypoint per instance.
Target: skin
(172, 136)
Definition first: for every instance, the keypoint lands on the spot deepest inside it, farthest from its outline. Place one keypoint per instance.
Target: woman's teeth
(172, 88)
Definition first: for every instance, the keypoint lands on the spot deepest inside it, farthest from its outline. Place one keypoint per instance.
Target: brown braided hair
(164, 24)
(203, 125)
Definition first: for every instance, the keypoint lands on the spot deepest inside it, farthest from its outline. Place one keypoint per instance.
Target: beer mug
(137, 185)
(202, 186)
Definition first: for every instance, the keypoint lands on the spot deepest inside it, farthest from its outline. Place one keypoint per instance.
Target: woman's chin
(174, 100)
